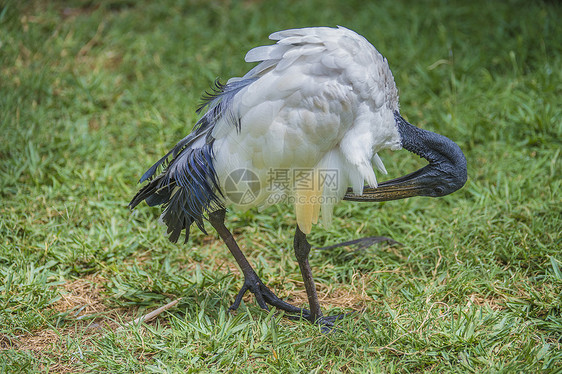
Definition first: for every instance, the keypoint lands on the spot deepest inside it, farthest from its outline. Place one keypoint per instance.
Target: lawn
(92, 93)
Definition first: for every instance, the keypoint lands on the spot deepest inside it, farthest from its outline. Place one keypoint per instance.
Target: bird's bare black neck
(445, 156)
(433, 147)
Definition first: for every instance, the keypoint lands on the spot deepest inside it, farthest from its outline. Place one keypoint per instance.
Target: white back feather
(323, 98)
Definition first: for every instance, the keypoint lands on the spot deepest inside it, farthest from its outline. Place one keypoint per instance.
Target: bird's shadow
(359, 246)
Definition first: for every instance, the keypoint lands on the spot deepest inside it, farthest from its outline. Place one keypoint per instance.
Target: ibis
(303, 127)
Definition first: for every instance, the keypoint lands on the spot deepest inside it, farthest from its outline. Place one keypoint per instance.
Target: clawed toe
(264, 297)
(327, 323)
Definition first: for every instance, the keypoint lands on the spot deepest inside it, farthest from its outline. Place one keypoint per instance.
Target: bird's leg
(252, 282)
(302, 249)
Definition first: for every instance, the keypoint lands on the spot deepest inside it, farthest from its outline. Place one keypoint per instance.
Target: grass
(92, 93)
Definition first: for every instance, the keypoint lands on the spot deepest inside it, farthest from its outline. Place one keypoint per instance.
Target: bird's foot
(328, 323)
(264, 297)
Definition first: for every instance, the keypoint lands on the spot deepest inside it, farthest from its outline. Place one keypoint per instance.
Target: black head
(446, 172)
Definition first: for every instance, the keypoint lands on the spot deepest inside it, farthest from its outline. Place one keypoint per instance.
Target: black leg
(252, 282)
(302, 249)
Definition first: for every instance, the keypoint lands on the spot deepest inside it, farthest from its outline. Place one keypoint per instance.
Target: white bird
(303, 126)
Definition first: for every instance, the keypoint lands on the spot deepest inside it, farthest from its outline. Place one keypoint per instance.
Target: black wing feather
(188, 186)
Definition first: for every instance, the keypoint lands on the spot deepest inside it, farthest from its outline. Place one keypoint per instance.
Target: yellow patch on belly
(308, 196)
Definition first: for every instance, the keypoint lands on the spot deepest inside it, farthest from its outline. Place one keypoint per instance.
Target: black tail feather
(188, 188)
(151, 194)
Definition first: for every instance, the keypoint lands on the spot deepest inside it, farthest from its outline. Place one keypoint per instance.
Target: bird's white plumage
(322, 99)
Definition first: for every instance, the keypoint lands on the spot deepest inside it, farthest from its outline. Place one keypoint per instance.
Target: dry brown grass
(83, 301)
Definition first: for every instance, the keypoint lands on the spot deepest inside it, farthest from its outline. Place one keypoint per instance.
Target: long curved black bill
(446, 172)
